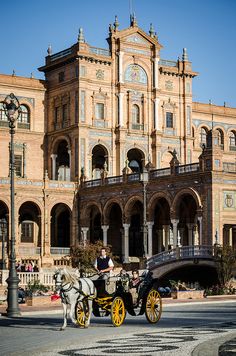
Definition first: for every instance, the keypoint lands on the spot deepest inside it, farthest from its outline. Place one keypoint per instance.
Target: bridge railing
(180, 253)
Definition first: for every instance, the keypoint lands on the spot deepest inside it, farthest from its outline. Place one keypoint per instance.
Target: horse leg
(73, 312)
(64, 316)
(89, 312)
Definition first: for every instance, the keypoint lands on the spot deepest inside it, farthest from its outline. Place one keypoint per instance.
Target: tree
(84, 256)
(225, 261)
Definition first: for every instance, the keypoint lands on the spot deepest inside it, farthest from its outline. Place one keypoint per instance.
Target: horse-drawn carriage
(115, 297)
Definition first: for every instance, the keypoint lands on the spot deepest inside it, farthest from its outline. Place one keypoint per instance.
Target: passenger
(103, 264)
(135, 281)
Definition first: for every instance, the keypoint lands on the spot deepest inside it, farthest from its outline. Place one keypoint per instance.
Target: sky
(207, 28)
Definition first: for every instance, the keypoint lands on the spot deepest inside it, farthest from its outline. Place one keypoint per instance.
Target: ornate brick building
(109, 113)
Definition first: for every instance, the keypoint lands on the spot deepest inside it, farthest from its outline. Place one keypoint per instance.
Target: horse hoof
(62, 329)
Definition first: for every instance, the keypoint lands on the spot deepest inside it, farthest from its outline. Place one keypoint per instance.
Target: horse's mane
(69, 277)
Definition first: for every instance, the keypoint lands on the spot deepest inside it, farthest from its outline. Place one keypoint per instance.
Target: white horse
(76, 292)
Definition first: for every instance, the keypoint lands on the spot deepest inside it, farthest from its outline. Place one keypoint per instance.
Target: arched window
(169, 120)
(232, 141)
(24, 117)
(135, 114)
(3, 116)
(203, 136)
(220, 138)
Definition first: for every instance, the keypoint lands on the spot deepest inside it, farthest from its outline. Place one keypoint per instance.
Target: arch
(93, 220)
(60, 225)
(129, 204)
(56, 142)
(24, 117)
(115, 223)
(4, 228)
(85, 211)
(186, 191)
(134, 73)
(135, 114)
(3, 115)
(232, 140)
(30, 223)
(100, 160)
(203, 131)
(62, 161)
(136, 160)
(154, 199)
(108, 206)
(220, 137)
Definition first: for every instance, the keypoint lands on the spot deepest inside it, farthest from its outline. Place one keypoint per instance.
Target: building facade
(86, 133)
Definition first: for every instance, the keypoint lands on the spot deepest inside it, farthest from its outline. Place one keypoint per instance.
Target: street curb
(211, 347)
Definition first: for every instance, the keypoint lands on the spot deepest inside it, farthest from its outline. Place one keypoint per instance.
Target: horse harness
(64, 296)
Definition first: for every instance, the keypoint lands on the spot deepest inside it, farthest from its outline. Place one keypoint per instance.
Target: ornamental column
(104, 230)
(120, 62)
(190, 234)
(175, 231)
(53, 157)
(156, 114)
(150, 225)
(84, 231)
(125, 245)
(120, 113)
(166, 234)
(200, 229)
(156, 81)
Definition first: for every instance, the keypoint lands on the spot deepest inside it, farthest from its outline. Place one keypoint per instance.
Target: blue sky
(207, 28)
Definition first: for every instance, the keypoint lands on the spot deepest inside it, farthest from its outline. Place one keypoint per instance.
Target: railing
(61, 54)
(92, 183)
(180, 253)
(229, 167)
(23, 125)
(60, 250)
(100, 51)
(160, 173)
(137, 126)
(134, 177)
(29, 251)
(4, 123)
(186, 168)
(114, 180)
(100, 123)
(166, 63)
(232, 148)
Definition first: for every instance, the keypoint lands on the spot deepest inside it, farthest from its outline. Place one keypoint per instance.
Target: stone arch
(136, 158)
(54, 143)
(61, 221)
(100, 160)
(108, 206)
(85, 211)
(152, 202)
(114, 220)
(187, 191)
(4, 229)
(128, 206)
(30, 223)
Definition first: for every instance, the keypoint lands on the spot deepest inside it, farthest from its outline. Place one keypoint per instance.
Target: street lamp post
(144, 179)
(3, 227)
(12, 109)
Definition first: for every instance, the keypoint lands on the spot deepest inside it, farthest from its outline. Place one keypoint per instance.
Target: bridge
(166, 262)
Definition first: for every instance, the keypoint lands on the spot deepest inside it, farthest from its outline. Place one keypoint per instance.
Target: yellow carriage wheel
(79, 314)
(118, 311)
(153, 306)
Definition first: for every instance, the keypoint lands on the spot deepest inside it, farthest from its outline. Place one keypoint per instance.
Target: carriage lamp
(12, 109)
(144, 177)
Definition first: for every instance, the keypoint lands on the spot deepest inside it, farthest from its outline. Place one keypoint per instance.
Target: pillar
(230, 236)
(159, 240)
(190, 234)
(69, 153)
(200, 230)
(53, 157)
(120, 113)
(156, 81)
(166, 235)
(84, 235)
(24, 160)
(120, 74)
(125, 245)
(175, 231)
(156, 114)
(104, 231)
(150, 225)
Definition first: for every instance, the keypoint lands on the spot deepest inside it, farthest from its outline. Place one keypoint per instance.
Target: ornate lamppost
(3, 229)
(12, 109)
(144, 177)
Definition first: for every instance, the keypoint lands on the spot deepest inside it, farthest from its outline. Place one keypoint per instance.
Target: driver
(103, 264)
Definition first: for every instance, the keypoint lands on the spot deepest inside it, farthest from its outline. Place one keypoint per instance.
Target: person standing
(103, 264)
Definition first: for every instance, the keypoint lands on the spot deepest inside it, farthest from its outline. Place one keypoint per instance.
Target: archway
(114, 233)
(161, 227)
(187, 212)
(99, 160)
(60, 225)
(95, 222)
(136, 245)
(136, 160)
(29, 224)
(63, 161)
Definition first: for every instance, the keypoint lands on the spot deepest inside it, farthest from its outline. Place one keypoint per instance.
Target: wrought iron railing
(180, 253)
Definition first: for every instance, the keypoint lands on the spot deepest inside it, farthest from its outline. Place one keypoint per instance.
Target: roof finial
(185, 55)
(81, 36)
(49, 50)
(31, 75)
(133, 20)
(151, 31)
(13, 73)
(116, 23)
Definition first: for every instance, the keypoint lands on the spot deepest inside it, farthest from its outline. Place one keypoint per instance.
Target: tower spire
(81, 36)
